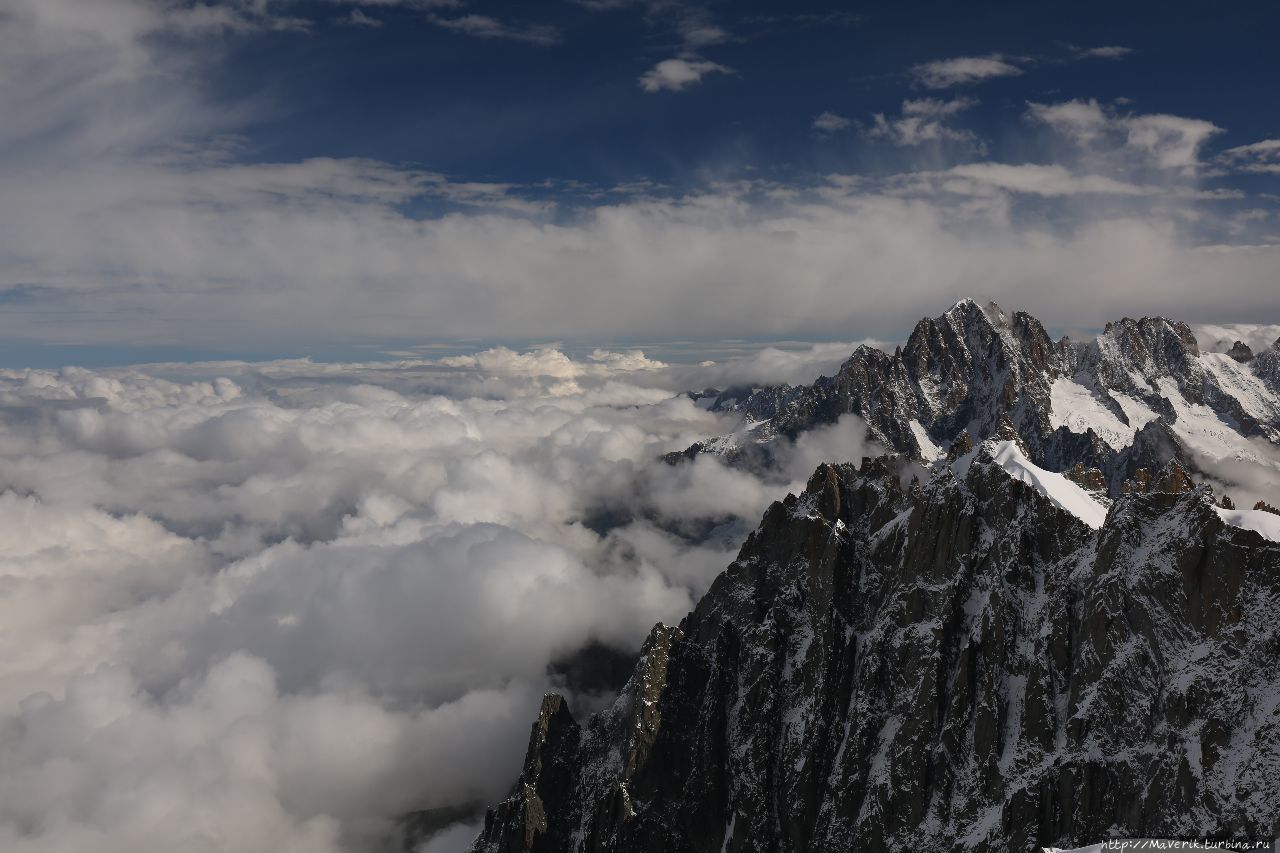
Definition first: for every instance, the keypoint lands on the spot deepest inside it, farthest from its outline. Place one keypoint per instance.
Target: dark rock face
(1266, 365)
(528, 821)
(975, 367)
(1173, 479)
(1154, 446)
(955, 666)
(959, 665)
(1241, 352)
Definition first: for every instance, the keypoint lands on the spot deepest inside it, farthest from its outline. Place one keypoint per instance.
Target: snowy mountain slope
(1265, 524)
(975, 368)
(960, 665)
(1058, 638)
(1064, 493)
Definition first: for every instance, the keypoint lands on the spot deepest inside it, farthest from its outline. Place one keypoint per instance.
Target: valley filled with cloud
(277, 606)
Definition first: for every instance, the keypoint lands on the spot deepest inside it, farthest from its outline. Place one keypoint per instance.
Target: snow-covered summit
(1136, 396)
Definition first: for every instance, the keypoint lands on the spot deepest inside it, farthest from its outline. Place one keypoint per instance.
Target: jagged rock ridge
(1139, 395)
(960, 665)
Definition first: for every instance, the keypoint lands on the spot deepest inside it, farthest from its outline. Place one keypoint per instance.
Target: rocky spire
(1241, 352)
(960, 664)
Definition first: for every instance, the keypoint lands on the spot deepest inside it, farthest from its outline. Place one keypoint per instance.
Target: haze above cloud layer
(140, 207)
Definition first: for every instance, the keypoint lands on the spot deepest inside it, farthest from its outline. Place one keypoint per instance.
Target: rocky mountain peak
(1138, 395)
(1241, 352)
(963, 665)
(1153, 346)
(1172, 479)
(1057, 637)
(967, 310)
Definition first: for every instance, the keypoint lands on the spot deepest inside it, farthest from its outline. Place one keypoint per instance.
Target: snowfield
(1080, 409)
(1056, 487)
(1259, 521)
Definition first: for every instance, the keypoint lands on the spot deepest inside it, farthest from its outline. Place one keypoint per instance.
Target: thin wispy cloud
(829, 122)
(963, 71)
(486, 27)
(357, 18)
(1034, 179)
(1259, 157)
(674, 75)
(1113, 51)
(697, 29)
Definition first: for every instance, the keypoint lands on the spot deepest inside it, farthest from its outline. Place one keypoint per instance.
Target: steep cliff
(972, 663)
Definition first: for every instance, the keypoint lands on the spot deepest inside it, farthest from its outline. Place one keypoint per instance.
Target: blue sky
(269, 177)
(568, 106)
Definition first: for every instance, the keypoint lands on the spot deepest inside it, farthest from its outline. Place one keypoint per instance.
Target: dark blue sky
(411, 91)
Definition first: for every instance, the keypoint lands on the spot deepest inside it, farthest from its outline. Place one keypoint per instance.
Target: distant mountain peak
(1071, 403)
(972, 308)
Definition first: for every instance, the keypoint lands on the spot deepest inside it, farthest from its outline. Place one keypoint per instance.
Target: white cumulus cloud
(1164, 141)
(924, 120)
(277, 606)
(679, 73)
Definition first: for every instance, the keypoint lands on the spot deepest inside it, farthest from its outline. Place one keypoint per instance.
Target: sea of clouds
(250, 607)
(278, 606)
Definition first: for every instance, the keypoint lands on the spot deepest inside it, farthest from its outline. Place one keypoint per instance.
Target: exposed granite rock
(528, 821)
(1241, 352)
(1089, 479)
(1154, 446)
(1266, 365)
(1173, 479)
(959, 665)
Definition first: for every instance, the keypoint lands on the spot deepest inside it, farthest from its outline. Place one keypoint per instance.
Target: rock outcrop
(1241, 352)
(958, 665)
(1058, 638)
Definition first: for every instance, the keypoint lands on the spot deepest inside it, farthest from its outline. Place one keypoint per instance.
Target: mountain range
(1138, 395)
(1026, 625)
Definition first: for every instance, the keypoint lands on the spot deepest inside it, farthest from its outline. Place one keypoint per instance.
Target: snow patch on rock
(930, 451)
(1243, 384)
(1259, 521)
(1080, 409)
(1056, 487)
